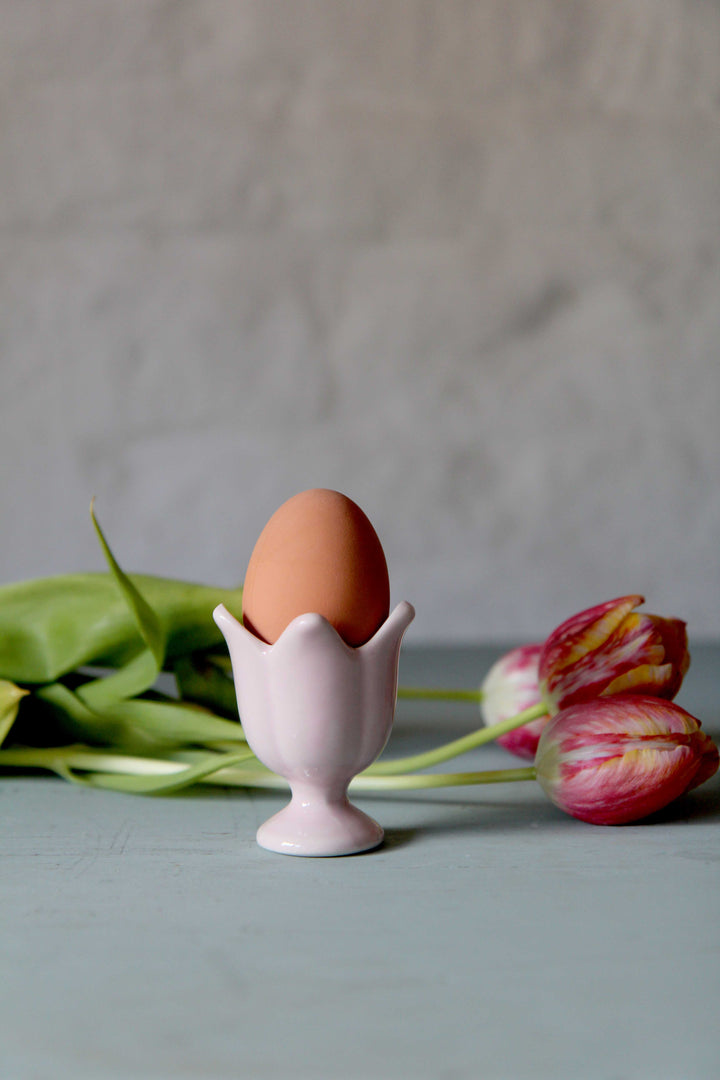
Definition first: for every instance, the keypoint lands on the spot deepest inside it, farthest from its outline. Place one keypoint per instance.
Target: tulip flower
(510, 686)
(612, 649)
(619, 758)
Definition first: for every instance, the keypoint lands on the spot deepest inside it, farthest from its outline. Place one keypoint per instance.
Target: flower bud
(619, 758)
(510, 687)
(612, 649)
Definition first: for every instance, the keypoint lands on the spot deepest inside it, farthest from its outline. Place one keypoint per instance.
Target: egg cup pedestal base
(313, 826)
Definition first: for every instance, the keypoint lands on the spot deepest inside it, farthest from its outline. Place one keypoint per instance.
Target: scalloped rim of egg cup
(317, 711)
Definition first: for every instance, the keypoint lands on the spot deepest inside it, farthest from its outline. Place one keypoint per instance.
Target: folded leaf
(137, 676)
(10, 697)
(201, 678)
(150, 627)
(141, 725)
(52, 626)
(118, 772)
(158, 785)
(168, 723)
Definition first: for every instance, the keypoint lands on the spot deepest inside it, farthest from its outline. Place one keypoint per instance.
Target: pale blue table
(491, 937)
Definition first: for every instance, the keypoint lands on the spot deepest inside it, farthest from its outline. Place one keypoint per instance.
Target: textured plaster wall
(460, 260)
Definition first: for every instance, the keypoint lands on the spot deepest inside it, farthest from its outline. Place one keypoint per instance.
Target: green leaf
(171, 723)
(137, 676)
(141, 672)
(76, 718)
(202, 680)
(10, 698)
(52, 626)
(140, 725)
(158, 785)
(118, 772)
(150, 627)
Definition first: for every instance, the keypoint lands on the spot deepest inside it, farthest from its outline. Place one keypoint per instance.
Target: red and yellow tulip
(510, 687)
(613, 649)
(619, 758)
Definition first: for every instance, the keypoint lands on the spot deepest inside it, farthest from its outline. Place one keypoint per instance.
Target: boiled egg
(317, 553)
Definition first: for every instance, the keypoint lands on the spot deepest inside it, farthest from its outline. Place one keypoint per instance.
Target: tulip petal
(612, 649)
(673, 633)
(510, 687)
(709, 762)
(646, 679)
(617, 759)
(586, 631)
(627, 787)
(523, 741)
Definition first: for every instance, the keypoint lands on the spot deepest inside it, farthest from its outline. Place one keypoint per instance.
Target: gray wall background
(460, 260)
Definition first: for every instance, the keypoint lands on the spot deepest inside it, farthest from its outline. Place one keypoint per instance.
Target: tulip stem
(242, 777)
(457, 746)
(436, 780)
(433, 693)
(257, 775)
(80, 760)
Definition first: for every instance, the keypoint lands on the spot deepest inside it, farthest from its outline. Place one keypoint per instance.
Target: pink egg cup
(317, 712)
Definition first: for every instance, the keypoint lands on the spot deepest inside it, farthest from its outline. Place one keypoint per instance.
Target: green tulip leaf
(52, 626)
(141, 672)
(158, 784)
(177, 724)
(118, 772)
(10, 698)
(134, 678)
(200, 679)
(76, 718)
(140, 725)
(150, 627)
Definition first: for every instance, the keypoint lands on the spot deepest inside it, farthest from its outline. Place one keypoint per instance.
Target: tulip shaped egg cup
(317, 712)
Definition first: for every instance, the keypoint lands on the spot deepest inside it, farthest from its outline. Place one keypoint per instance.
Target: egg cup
(317, 712)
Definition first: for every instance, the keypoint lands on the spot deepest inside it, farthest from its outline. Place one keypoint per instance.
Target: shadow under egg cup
(317, 712)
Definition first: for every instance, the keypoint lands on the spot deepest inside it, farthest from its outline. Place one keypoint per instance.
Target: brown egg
(317, 553)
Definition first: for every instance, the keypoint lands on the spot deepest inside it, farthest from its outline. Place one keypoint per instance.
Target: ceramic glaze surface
(317, 712)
